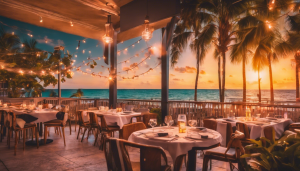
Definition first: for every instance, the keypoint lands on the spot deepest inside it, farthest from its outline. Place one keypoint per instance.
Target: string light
(77, 48)
(83, 41)
(83, 51)
(90, 52)
(13, 33)
(75, 56)
(107, 38)
(71, 24)
(41, 19)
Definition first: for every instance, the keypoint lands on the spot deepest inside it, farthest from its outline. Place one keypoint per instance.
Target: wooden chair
(56, 124)
(230, 154)
(242, 127)
(294, 126)
(82, 123)
(13, 127)
(210, 124)
(117, 156)
(147, 117)
(128, 129)
(2, 125)
(269, 133)
(138, 118)
(104, 130)
(93, 124)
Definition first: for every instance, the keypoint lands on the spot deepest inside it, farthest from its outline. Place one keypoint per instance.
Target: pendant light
(107, 38)
(147, 33)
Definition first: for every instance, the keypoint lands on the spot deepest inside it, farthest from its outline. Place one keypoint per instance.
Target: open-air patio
(170, 85)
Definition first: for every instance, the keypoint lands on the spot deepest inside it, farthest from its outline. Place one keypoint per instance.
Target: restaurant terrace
(59, 133)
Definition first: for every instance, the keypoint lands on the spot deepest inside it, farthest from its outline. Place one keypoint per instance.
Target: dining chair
(294, 126)
(56, 123)
(14, 127)
(230, 154)
(104, 130)
(210, 124)
(128, 129)
(269, 133)
(242, 127)
(117, 156)
(82, 123)
(2, 125)
(225, 129)
(93, 124)
(136, 119)
(147, 117)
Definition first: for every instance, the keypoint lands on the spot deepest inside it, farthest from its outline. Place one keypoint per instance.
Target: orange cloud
(177, 79)
(186, 69)
(172, 75)
(202, 72)
(209, 81)
(230, 76)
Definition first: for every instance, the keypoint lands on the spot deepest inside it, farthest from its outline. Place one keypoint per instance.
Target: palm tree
(78, 94)
(53, 94)
(294, 39)
(198, 18)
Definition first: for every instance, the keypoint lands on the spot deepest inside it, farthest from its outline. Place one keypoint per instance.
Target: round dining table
(176, 143)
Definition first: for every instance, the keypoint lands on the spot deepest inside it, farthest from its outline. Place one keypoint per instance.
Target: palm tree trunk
(244, 77)
(271, 78)
(259, 91)
(196, 82)
(219, 77)
(223, 76)
(297, 80)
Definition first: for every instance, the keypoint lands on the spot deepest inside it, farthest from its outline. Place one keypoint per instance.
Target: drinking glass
(153, 123)
(193, 123)
(171, 122)
(167, 120)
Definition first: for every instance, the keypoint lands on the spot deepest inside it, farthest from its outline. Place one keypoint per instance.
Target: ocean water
(180, 94)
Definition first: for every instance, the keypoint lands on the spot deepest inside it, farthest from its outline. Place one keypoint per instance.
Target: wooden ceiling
(87, 16)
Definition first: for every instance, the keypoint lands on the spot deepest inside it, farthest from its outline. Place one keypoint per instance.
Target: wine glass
(193, 123)
(171, 122)
(167, 120)
(153, 123)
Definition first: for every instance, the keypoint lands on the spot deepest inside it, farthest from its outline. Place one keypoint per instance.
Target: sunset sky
(182, 76)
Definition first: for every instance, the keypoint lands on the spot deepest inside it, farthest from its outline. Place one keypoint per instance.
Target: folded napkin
(167, 138)
(26, 117)
(20, 122)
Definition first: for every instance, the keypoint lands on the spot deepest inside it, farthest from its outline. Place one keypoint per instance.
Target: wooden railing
(197, 109)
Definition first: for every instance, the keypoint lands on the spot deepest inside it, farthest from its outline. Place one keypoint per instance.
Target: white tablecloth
(256, 129)
(113, 119)
(176, 147)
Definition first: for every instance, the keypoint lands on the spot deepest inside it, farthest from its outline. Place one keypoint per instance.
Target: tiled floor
(75, 155)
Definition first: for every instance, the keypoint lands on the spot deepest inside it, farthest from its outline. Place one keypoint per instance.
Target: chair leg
(8, 138)
(16, 143)
(24, 138)
(96, 137)
(70, 126)
(45, 134)
(75, 123)
(37, 137)
(205, 163)
(78, 131)
(83, 134)
(63, 131)
(32, 133)
(210, 164)
(88, 134)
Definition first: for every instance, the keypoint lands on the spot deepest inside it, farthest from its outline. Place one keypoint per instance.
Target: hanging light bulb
(71, 24)
(41, 19)
(147, 34)
(107, 38)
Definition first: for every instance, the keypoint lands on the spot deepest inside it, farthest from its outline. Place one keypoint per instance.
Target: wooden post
(167, 34)
(113, 73)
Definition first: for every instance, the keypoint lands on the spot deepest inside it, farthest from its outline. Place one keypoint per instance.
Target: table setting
(256, 124)
(113, 117)
(177, 140)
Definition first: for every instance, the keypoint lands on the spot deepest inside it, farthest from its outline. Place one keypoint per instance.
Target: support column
(164, 75)
(167, 34)
(113, 73)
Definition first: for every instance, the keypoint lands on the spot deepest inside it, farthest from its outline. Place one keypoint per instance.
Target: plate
(202, 128)
(127, 111)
